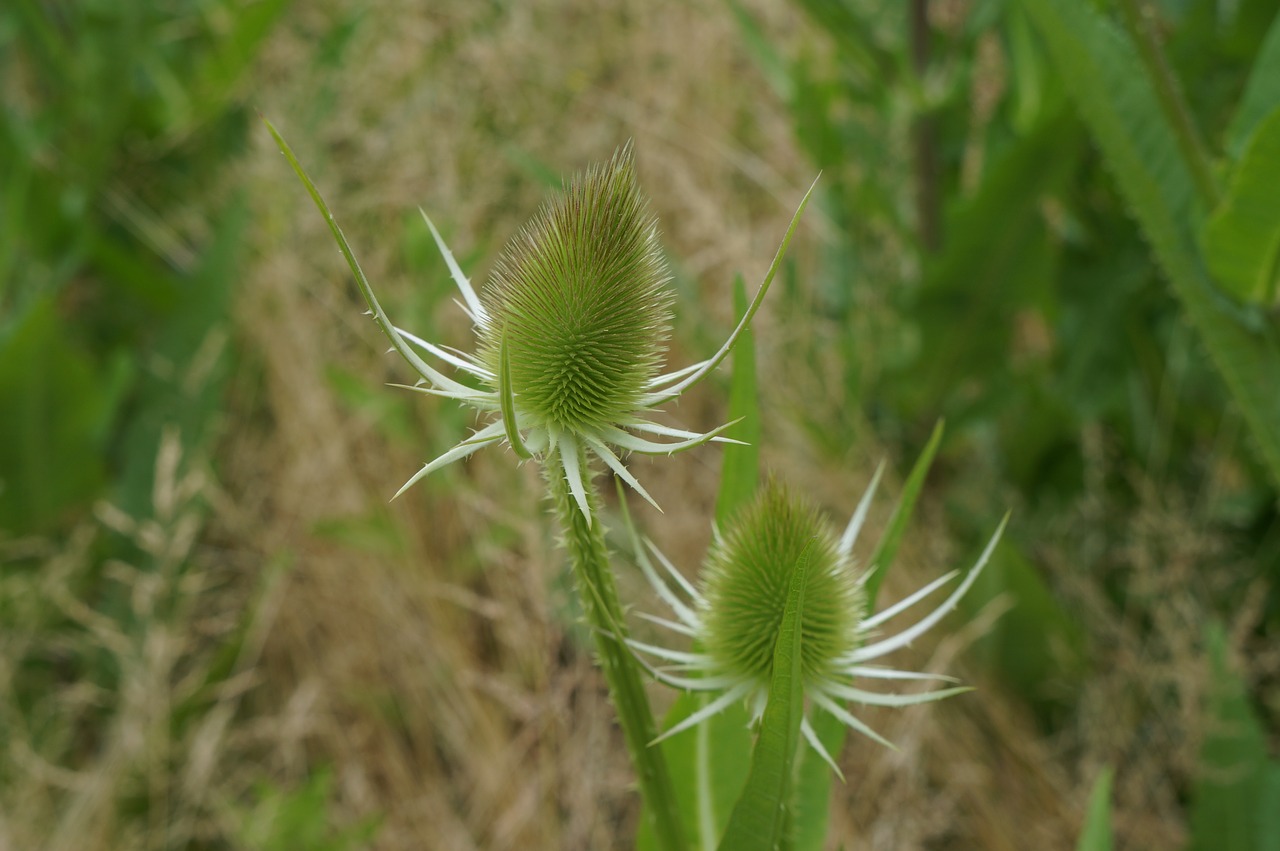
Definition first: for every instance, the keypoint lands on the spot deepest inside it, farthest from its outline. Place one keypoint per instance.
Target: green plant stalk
(1169, 96)
(599, 596)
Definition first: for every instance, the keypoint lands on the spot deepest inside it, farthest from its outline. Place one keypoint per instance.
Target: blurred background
(216, 632)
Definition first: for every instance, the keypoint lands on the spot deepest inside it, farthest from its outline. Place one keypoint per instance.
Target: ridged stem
(599, 596)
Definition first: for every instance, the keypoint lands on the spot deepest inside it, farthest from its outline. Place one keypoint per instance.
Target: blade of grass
(1096, 835)
(887, 549)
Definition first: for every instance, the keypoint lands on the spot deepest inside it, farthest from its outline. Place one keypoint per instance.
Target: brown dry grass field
(425, 650)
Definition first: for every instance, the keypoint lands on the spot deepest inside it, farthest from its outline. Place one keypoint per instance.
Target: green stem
(599, 596)
(1174, 106)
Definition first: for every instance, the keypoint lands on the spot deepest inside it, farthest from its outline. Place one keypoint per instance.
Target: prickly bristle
(581, 295)
(748, 573)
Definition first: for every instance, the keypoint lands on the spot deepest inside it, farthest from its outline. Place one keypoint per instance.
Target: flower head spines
(762, 544)
(581, 297)
(747, 574)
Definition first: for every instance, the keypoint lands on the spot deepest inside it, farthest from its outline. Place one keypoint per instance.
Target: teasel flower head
(734, 615)
(572, 329)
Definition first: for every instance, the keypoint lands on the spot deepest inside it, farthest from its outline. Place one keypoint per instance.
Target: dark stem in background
(1139, 22)
(924, 133)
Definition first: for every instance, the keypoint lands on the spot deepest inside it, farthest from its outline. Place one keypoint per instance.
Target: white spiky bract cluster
(735, 616)
(572, 329)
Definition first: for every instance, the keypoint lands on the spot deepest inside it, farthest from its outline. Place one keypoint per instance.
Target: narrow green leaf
(58, 408)
(1242, 240)
(231, 55)
(507, 399)
(709, 765)
(1116, 100)
(709, 762)
(766, 56)
(375, 309)
(1261, 93)
(1096, 835)
(887, 549)
(1038, 647)
(1269, 809)
(812, 799)
(760, 815)
(1230, 798)
(740, 468)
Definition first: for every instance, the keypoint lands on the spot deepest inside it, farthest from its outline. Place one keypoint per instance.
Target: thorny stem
(1137, 20)
(599, 598)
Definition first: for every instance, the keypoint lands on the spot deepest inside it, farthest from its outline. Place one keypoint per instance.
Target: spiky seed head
(581, 296)
(748, 571)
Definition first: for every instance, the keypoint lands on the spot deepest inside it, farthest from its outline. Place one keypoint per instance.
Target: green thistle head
(580, 296)
(747, 574)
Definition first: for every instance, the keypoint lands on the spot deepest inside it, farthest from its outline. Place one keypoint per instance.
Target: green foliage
(709, 765)
(1242, 239)
(1261, 94)
(1096, 835)
(1037, 646)
(60, 410)
(1236, 797)
(298, 819)
(121, 247)
(1119, 103)
(709, 762)
(885, 551)
(1058, 323)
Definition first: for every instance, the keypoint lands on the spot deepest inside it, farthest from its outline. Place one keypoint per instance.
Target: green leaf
(58, 406)
(1116, 99)
(193, 341)
(772, 65)
(380, 317)
(1269, 809)
(887, 549)
(1233, 795)
(761, 813)
(1037, 646)
(1242, 240)
(709, 765)
(812, 799)
(231, 55)
(740, 468)
(1096, 835)
(1261, 93)
(709, 762)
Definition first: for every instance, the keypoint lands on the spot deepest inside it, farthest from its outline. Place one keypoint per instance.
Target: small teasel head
(581, 301)
(737, 611)
(748, 570)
